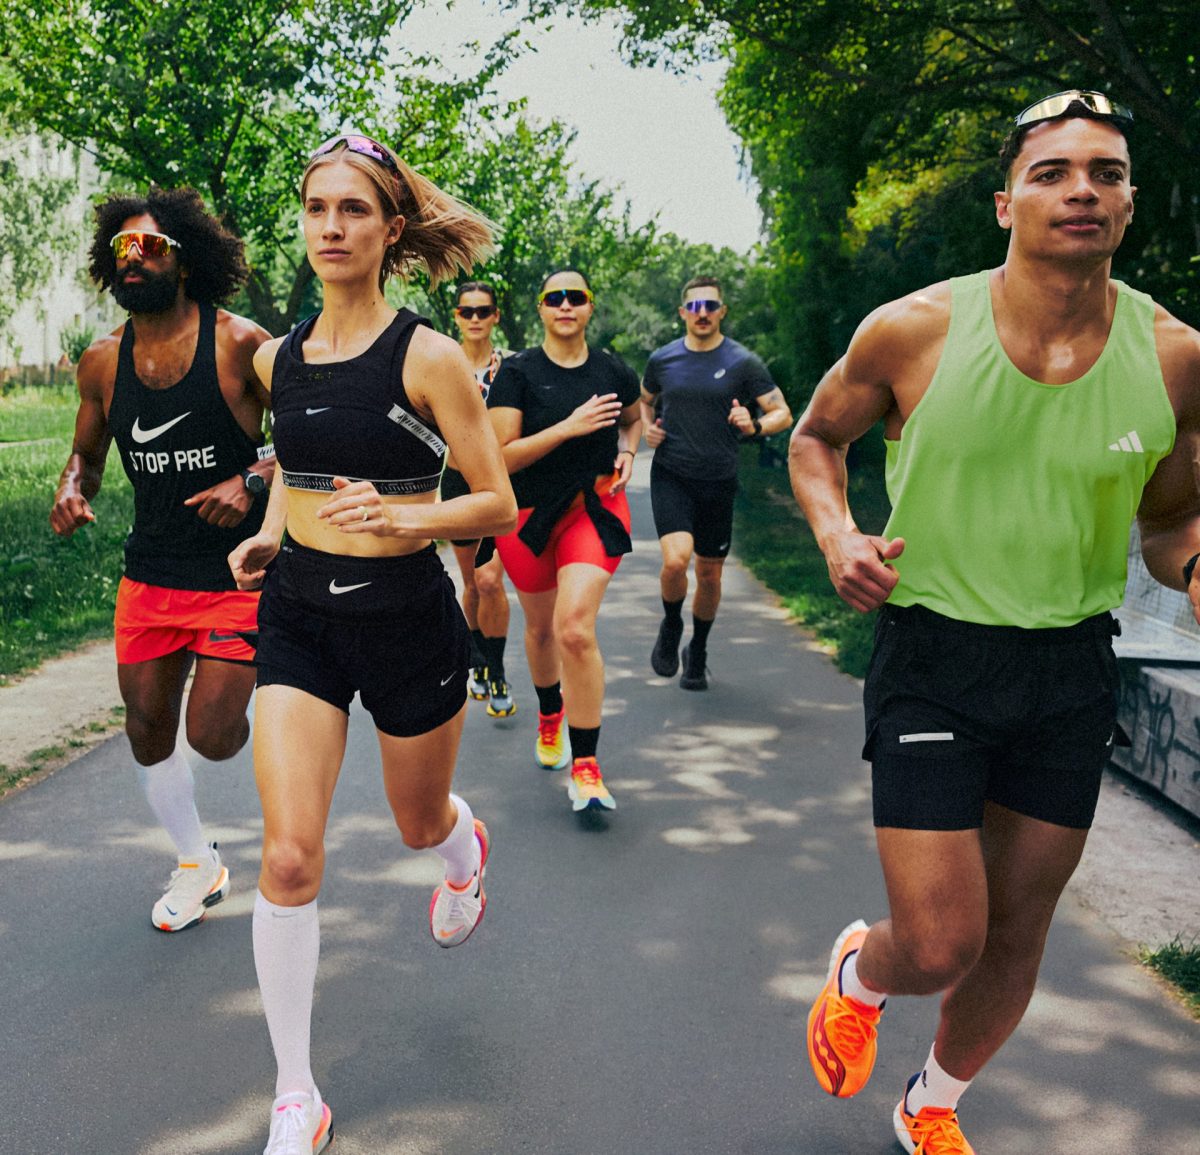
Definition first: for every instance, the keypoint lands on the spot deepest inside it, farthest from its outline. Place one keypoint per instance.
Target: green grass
(776, 543)
(54, 594)
(1179, 964)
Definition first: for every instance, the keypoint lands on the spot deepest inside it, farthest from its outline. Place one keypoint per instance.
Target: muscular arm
(882, 375)
(776, 416)
(1169, 515)
(81, 478)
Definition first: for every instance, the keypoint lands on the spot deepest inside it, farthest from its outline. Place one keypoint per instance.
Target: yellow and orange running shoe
(553, 748)
(841, 1030)
(931, 1131)
(586, 788)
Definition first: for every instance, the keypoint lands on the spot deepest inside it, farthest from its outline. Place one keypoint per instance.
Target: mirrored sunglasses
(576, 298)
(363, 145)
(702, 306)
(470, 312)
(1052, 107)
(147, 244)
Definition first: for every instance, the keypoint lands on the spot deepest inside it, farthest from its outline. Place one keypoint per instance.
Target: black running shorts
(958, 714)
(693, 505)
(387, 628)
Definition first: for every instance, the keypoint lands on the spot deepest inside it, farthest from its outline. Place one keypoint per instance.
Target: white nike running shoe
(454, 913)
(194, 887)
(300, 1125)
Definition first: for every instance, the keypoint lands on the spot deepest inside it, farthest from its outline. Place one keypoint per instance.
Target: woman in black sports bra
(355, 598)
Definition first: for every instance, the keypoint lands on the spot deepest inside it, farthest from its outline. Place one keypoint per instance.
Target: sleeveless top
(1015, 498)
(175, 442)
(353, 418)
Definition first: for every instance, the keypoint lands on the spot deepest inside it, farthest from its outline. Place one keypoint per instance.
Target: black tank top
(353, 418)
(175, 442)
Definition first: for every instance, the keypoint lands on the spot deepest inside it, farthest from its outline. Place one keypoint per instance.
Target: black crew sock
(584, 740)
(493, 649)
(478, 650)
(549, 698)
(700, 628)
(673, 612)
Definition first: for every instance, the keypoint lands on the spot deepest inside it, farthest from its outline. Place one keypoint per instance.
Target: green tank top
(1014, 498)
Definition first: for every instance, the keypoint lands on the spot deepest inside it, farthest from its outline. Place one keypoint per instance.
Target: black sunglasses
(470, 312)
(1052, 107)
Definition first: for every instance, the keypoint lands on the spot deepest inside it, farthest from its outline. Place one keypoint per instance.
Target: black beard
(156, 293)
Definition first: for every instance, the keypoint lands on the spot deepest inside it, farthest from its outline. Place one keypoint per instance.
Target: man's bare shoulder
(898, 331)
(244, 334)
(98, 364)
(1178, 349)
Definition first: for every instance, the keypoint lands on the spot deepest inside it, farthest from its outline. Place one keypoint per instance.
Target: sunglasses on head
(147, 244)
(576, 298)
(363, 145)
(470, 312)
(1052, 107)
(702, 306)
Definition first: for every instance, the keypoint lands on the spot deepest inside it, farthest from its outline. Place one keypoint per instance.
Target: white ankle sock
(934, 1088)
(460, 851)
(287, 943)
(171, 791)
(853, 986)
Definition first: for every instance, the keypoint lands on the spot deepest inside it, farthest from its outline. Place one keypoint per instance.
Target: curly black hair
(214, 258)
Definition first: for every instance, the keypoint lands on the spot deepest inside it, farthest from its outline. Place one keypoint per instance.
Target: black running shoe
(665, 655)
(695, 669)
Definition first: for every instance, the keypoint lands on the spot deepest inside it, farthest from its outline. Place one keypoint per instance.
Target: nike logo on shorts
(310, 412)
(446, 679)
(141, 436)
(334, 588)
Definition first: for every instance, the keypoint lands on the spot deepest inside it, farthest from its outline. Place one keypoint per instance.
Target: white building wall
(68, 297)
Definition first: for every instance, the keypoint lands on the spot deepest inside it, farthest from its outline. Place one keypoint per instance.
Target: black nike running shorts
(697, 506)
(959, 714)
(388, 628)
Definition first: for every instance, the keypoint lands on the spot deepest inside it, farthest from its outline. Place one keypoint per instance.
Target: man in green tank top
(1031, 411)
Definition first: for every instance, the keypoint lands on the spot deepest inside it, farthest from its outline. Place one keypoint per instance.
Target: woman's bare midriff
(305, 527)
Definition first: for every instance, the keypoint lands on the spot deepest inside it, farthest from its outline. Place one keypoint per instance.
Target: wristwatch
(253, 482)
(757, 427)
(1189, 567)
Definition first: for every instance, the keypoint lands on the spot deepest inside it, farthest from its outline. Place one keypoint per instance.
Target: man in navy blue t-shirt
(696, 394)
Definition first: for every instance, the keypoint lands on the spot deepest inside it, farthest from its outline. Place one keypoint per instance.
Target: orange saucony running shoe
(931, 1131)
(553, 747)
(841, 1030)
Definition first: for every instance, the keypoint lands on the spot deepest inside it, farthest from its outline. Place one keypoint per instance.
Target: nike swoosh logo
(446, 679)
(141, 436)
(334, 588)
(310, 412)
(172, 912)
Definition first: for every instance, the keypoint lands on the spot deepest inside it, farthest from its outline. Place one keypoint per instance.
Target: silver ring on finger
(365, 513)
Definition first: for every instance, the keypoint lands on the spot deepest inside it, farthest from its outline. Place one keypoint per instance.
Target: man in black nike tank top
(175, 388)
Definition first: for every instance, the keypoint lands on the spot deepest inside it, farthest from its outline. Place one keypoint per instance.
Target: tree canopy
(872, 127)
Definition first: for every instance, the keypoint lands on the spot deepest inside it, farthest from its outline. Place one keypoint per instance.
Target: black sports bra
(353, 418)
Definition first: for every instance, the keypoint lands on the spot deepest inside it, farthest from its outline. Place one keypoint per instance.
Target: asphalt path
(639, 984)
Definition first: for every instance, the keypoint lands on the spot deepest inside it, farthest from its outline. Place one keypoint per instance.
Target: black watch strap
(1189, 567)
(757, 427)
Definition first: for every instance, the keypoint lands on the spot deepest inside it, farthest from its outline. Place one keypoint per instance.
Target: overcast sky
(660, 136)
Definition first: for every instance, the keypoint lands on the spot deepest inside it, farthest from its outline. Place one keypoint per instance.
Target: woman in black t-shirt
(568, 419)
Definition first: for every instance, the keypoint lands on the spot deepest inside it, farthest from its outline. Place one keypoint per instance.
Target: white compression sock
(460, 851)
(853, 986)
(934, 1088)
(171, 791)
(287, 943)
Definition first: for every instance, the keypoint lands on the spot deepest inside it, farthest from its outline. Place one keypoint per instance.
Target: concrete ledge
(1160, 711)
